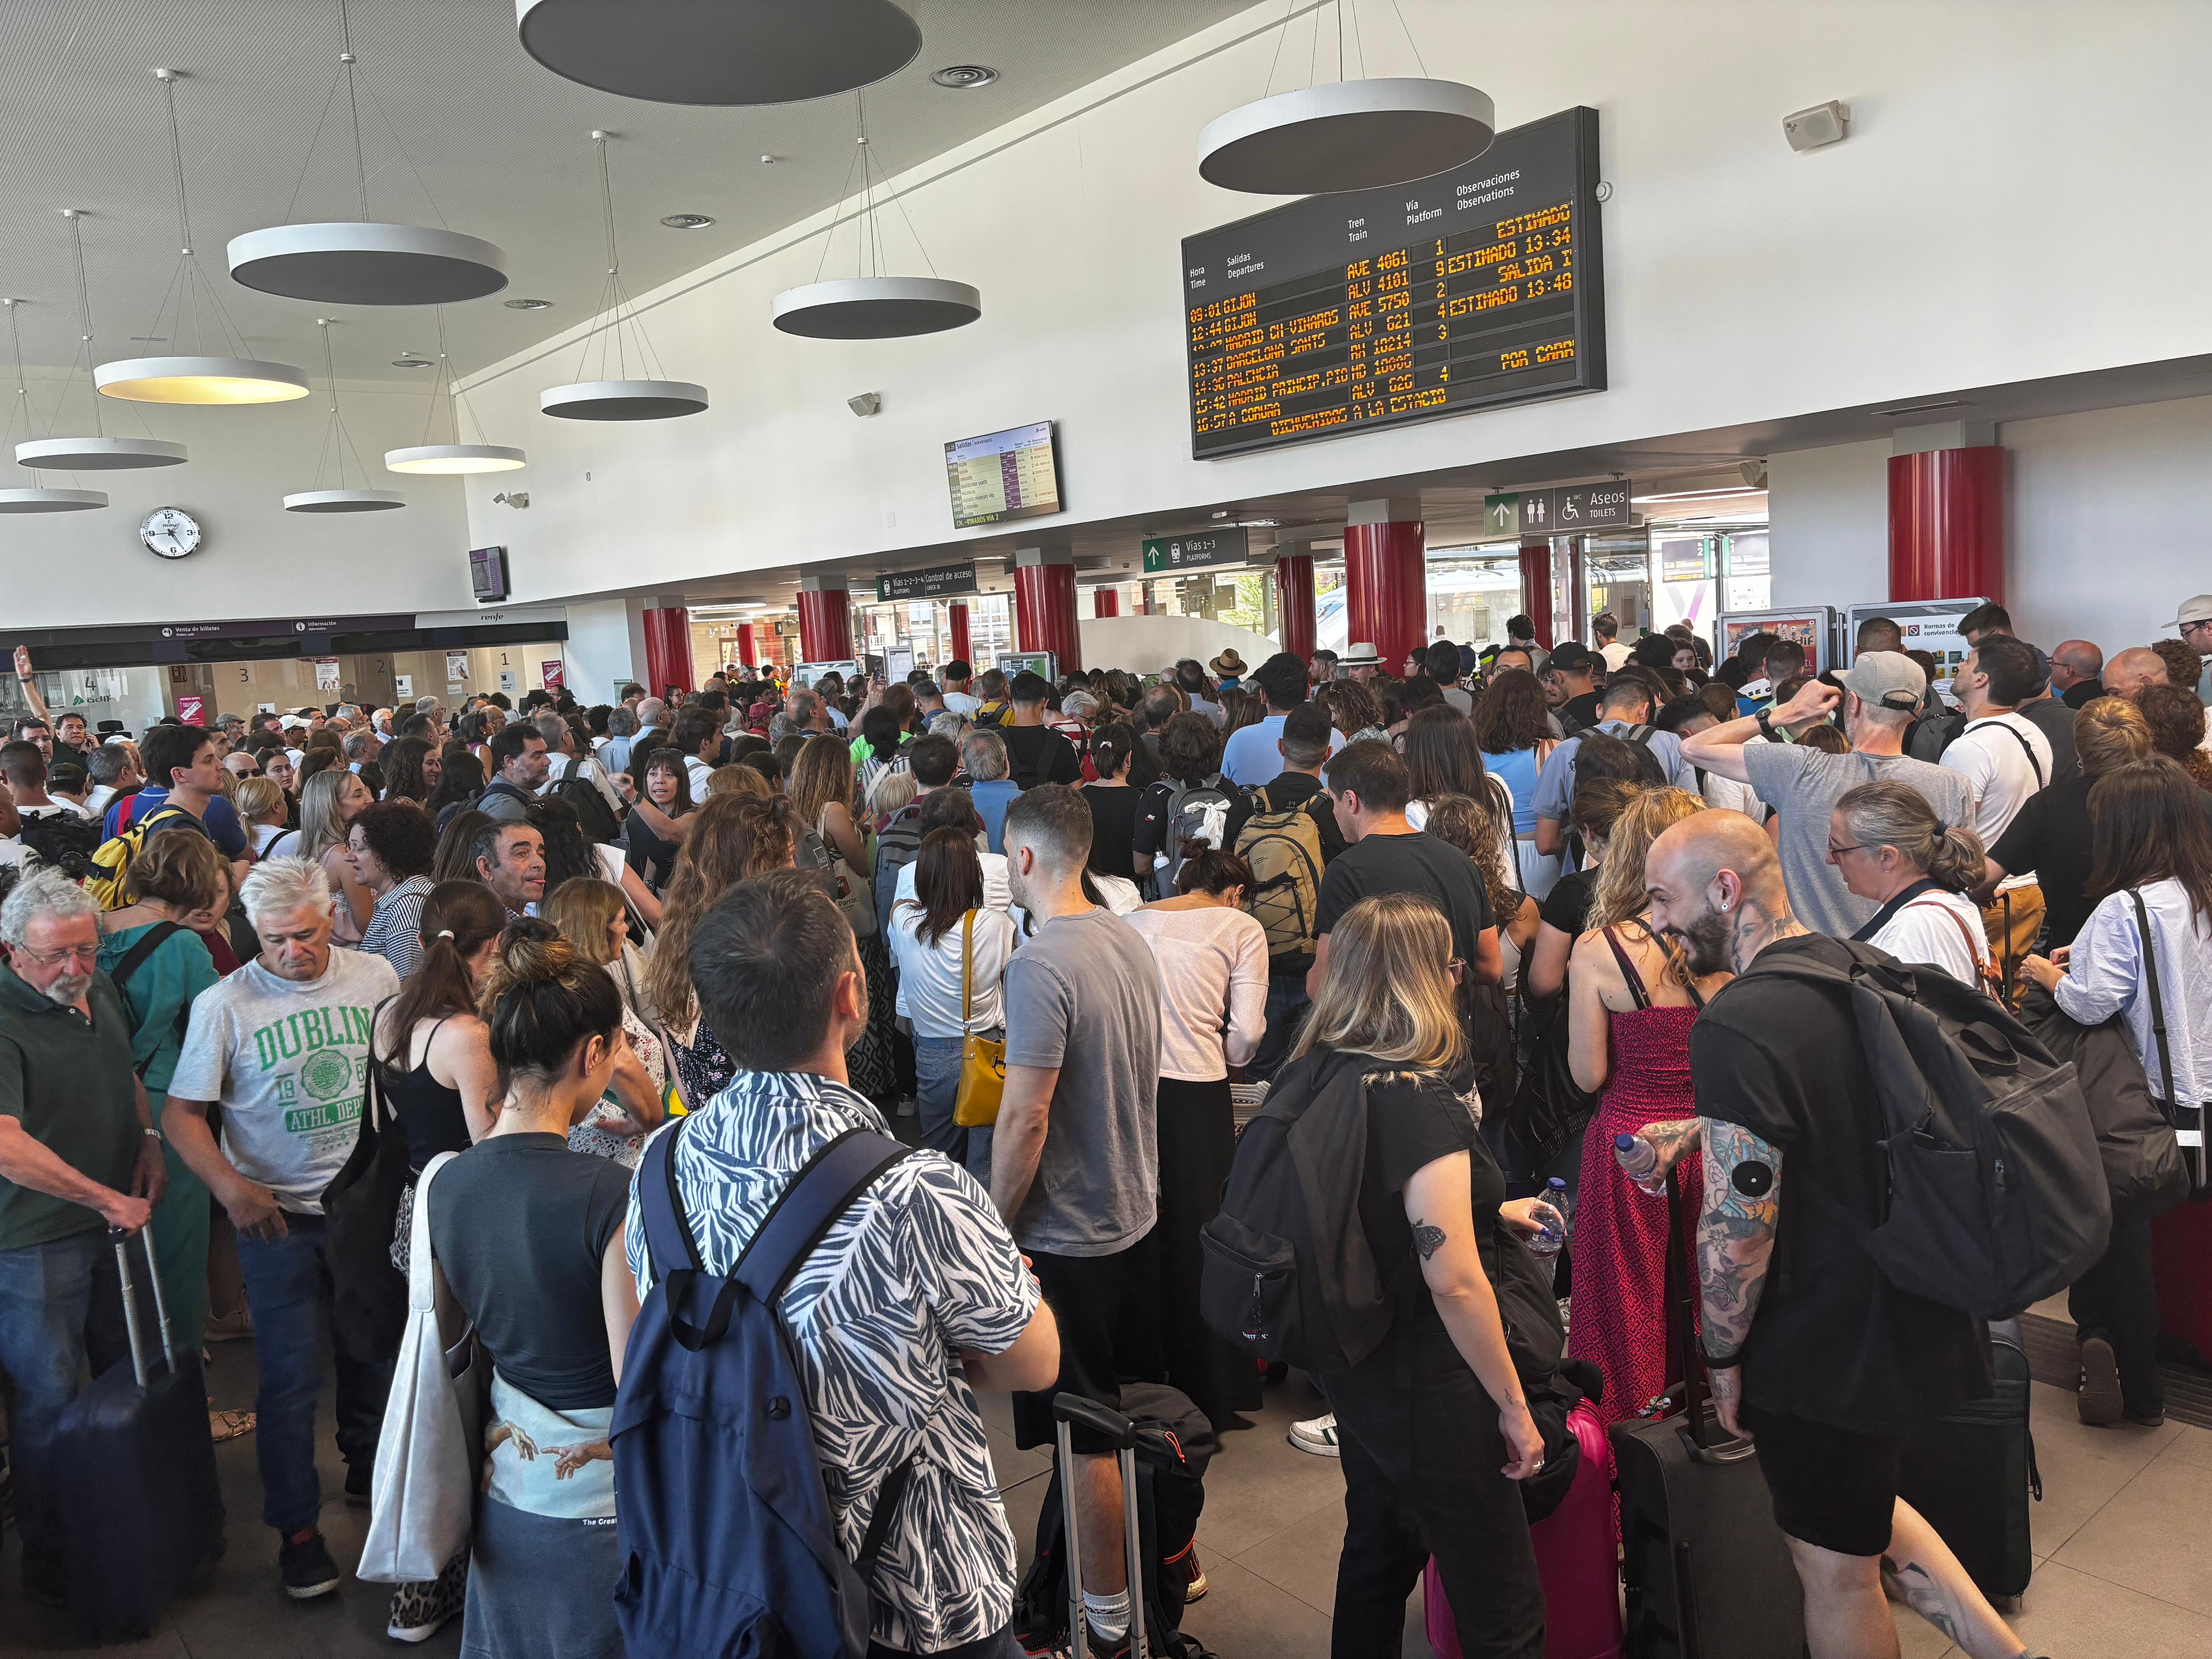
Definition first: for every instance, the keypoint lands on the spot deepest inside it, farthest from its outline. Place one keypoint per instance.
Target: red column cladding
(1294, 599)
(956, 616)
(1946, 524)
(825, 625)
(668, 649)
(1044, 613)
(1105, 601)
(746, 653)
(1536, 588)
(1387, 601)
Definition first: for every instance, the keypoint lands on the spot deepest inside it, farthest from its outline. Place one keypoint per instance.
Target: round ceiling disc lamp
(338, 442)
(720, 52)
(224, 376)
(872, 305)
(40, 499)
(99, 452)
(619, 334)
(455, 457)
(365, 262)
(1353, 133)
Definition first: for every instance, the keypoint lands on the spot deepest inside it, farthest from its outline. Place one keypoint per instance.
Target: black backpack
(1927, 738)
(1997, 1194)
(1639, 738)
(597, 818)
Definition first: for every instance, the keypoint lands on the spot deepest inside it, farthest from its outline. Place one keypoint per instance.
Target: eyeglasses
(87, 954)
(1836, 852)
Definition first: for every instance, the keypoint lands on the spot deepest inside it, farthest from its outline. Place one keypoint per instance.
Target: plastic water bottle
(1546, 1245)
(1639, 1160)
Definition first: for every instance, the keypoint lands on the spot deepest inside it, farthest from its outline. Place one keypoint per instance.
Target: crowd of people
(1520, 896)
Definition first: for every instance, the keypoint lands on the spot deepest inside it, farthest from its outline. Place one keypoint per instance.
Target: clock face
(170, 531)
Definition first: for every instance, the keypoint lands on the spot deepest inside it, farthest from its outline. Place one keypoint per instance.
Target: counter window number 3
(170, 531)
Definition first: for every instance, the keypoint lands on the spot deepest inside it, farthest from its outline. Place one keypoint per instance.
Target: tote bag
(423, 1494)
(982, 1061)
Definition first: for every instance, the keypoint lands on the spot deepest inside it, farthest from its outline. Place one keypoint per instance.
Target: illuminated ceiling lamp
(99, 452)
(338, 442)
(39, 500)
(872, 304)
(221, 377)
(448, 459)
(364, 262)
(619, 397)
(720, 52)
(1347, 134)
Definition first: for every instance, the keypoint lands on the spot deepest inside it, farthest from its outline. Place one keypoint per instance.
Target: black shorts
(1107, 1308)
(1832, 1488)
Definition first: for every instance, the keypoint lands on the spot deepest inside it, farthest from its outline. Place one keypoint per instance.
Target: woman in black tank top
(433, 1055)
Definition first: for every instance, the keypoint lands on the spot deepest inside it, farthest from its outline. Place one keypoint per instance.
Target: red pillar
(956, 615)
(825, 625)
(1536, 588)
(1294, 601)
(1105, 601)
(1044, 613)
(1387, 603)
(668, 649)
(746, 653)
(1946, 524)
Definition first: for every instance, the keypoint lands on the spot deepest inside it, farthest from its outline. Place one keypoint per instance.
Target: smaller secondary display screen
(1003, 475)
(488, 572)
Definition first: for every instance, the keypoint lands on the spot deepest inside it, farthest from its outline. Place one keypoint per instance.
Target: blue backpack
(729, 1547)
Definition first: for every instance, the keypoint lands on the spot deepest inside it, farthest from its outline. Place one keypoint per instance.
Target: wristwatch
(1765, 719)
(150, 1134)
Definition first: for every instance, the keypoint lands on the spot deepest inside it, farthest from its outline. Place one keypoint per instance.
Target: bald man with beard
(1827, 1368)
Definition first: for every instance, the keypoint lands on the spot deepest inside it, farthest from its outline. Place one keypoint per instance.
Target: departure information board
(1003, 475)
(1479, 286)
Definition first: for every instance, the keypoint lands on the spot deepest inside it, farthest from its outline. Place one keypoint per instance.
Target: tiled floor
(2123, 1541)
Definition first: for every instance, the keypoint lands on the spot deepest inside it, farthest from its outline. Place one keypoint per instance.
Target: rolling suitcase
(1972, 1474)
(1708, 1573)
(1577, 1549)
(142, 1513)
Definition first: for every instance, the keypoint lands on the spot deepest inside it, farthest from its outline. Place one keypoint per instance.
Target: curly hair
(1467, 823)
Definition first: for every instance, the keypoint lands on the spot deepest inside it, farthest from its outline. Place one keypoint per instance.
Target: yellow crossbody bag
(983, 1062)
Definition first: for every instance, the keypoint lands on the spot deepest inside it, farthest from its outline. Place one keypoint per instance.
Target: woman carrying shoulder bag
(1434, 1424)
(2151, 863)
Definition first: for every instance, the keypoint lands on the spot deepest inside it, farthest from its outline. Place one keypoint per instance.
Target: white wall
(1829, 510)
(1942, 244)
(606, 646)
(1153, 644)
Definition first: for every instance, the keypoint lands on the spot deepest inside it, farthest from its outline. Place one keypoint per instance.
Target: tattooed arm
(1736, 1241)
(1440, 1204)
(1672, 1138)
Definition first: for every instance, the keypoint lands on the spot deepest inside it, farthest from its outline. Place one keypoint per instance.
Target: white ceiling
(452, 102)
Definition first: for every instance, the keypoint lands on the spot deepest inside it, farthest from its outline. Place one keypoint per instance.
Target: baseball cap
(2195, 610)
(1575, 657)
(1886, 679)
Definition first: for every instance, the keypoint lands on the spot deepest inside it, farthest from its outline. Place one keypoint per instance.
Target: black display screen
(1479, 286)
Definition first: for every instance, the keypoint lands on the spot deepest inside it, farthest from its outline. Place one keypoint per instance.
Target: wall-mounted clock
(170, 531)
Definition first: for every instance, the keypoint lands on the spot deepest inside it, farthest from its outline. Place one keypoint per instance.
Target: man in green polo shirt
(77, 1156)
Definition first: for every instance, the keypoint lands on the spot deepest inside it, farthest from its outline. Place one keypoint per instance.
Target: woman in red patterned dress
(1631, 1003)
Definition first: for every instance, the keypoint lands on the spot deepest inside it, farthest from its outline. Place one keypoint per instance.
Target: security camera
(1823, 124)
(513, 498)
(865, 404)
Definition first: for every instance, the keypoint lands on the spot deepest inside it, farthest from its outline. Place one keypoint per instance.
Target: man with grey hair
(283, 1045)
(949, 724)
(615, 754)
(808, 713)
(78, 1155)
(361, 748)
(566, 763)
(652, 726)
(983, 758)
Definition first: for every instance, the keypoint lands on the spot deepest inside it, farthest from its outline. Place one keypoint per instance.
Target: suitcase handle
(1119, 1432)
(1682, 1296)
(1068, 1410)
(119, 1239)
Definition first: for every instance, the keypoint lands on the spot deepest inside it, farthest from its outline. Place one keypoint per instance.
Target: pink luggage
(1577, 1558)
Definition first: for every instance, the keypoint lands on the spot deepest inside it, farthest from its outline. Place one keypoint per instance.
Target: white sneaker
(1316, 1435)
(909, 1106)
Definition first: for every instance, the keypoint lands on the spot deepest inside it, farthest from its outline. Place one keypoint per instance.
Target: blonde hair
(2109, 732)
(181, 868)
(319, 828)
(821, 776)
(1388, 993)
(584, 909)
(1619, 896)
(893, 790)
(736, 780)
(256, 797)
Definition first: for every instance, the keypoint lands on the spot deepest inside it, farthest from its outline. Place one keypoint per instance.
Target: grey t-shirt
(1084, 995)
(288, 1062)
(1803, 786)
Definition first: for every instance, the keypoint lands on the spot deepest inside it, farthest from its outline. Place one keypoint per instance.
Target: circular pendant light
(622, 400)
(876, 308)
(51, 500)
(344, 501)
(446, 460)
(200, 381)
(368, 263)
(720, 52)
(98, 454)
(1346, 135)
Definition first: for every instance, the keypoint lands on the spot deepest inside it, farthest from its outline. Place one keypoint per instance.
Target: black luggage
(1972, 1473)
(1708, 1573)
(141, 1513)
(1164, 1443)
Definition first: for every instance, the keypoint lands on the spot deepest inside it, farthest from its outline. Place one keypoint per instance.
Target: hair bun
(534, 950)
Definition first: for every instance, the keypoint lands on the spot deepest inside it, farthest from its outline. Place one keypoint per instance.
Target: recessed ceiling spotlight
(408, 359)
(1222, 514)
(965, 77)
(688, 220)
(527, 305)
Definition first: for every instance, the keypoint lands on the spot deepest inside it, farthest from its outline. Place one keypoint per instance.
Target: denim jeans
(937, 1085)
(287, 1286)
(1287, 1004)
(61, 1304)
